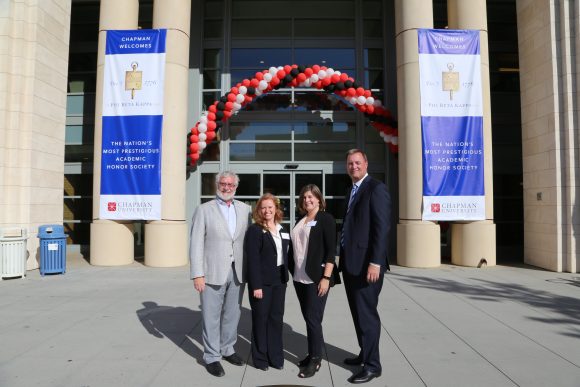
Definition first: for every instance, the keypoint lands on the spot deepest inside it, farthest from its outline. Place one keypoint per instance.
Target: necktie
(350, 200)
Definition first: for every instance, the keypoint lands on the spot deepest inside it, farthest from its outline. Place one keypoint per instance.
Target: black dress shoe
(215, 369)
(354, 361)
(234, 359)
(304, 362)
(364, 376)
(263, 368)
(277, 367)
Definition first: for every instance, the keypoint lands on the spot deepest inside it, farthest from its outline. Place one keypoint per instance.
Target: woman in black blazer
(266, 249)
(312, 265)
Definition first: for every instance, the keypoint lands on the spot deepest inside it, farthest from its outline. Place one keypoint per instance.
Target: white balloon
(263, 85)
(202, 136)
(203, 119)
(243, 90)
(240, 98)
(202, 145)
(314, 78)
(395, 140)
(337, 73)
(258, 92)
(321, 74)
(382, 134)
(352, 100)
(236, 106)
(267, 77)
(388, 138)
(307, 82)
(202, 128)
(273, 70)
(370, 101)
(377, 103)
(361, 100)
(329, 71)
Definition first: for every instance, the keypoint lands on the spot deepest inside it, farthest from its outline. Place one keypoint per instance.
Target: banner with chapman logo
(452, 125)
(132, 122)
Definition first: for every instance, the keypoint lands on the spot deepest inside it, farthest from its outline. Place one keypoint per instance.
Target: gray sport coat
(212, 248)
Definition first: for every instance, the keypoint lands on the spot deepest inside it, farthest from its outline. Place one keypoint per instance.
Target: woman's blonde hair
(278, 215)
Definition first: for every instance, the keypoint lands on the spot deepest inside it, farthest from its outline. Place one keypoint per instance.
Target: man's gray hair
(223, 174)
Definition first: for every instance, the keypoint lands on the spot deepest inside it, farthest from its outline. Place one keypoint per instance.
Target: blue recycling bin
(52, 249)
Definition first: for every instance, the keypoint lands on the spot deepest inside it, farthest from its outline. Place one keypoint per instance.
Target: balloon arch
(320, 77)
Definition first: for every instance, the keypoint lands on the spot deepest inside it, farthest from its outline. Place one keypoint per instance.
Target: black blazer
(261, 255)
(321, 249)
(367, 223)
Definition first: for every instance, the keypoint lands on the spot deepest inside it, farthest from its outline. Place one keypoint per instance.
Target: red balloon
(212, 108)
(301, 77)
(246, 82)
(234, 89)
(209, 136)
(367, 93)
(370, 109)
(211, 117)
(318, 85)
(360, 91)
(362, 108)
(227, 114)
(308, 71)
(194, 138)
(342, 93)
(287, 69)
(351, 91)
(194, 147)
(254, 82)
(316, 68)
(281, 74)
(194, 157)
(231, 97)
(335, 78)
(259, 76)
(343, 77)
(294, 83)
(275, 81)
(248, 98)
(194, 130)
(326, 81)
(211, 125)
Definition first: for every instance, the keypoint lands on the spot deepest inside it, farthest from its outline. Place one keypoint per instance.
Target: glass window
(260, 152)
(277, 183)
(273, 101)
(211, 79)
(302, 179)
(374, 79)
(213, 29)
(261, 58)
(260, 28)
(249, 184)
(373, 57)
(214, 8)
(77, 208)
(372, 9)
(320, 151)
(208, 184)
(342, 59)
(212, 58)
(337, 184)
(372, 28)
(324, 28)
(258, 131)
(320, 100)
(78, 153)
(211, 152)
(78, 134)
(78, 185)
(209, 98)
(78, 233)
(376, 152)
(325, 130)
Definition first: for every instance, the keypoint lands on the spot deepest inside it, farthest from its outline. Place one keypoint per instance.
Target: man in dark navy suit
(363, 260)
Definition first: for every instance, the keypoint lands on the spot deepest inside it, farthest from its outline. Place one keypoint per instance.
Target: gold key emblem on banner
(133, 79)
(450, 80)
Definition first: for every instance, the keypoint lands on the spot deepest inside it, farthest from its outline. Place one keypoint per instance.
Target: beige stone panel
(52, 84)
(46, 213)
(44, 178)
(529, 114)
(59, 63)
(51, 42)
(542, 241)
(540, 228)
(412, 14)
(14, 213)
(467, 14)
(176, 54)
(411, 252)
(16, 177)
(547, 107)
(546, 214)
(18, 195)
(119, 15)
(167, 244)
(46, 161)
(46, 195)
(549, 196)
(407, 48)
(410, 160)
(543, 259)
(472, 243)
(111, 243)
(537, 162)
(539, 128)
(47, 144)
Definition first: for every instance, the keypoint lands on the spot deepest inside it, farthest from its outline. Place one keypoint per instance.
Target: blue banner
(452, 125)
(132, 125)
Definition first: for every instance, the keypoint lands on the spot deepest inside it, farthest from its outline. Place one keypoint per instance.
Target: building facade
(51, 58)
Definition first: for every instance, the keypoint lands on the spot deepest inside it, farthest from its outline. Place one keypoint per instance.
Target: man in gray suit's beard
(217, 269)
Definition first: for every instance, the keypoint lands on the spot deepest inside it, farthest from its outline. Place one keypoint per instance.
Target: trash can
(13, 252)
(52, 249)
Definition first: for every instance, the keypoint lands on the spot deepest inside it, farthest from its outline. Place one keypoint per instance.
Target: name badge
(312, 223)
(285, 235)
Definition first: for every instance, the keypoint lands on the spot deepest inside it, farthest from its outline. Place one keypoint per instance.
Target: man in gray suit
(217, 269)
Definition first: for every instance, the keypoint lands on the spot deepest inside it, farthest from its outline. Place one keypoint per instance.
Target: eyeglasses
(226, 185)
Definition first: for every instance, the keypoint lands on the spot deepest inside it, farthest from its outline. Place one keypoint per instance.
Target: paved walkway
(139, 326)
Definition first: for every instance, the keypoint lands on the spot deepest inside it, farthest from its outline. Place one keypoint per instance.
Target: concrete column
(418, 242)
(473, 242)
(111, 241)
(166, 240)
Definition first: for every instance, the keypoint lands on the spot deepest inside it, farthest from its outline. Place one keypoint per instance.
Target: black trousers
(363, 300)
(267, 326)
(312, 307)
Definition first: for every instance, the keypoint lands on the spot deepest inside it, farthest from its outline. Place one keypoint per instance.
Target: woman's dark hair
(316, 192)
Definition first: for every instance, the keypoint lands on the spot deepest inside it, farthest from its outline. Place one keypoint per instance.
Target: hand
(258, 293)
(199, 284)
(373, 273)
(323, 286)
